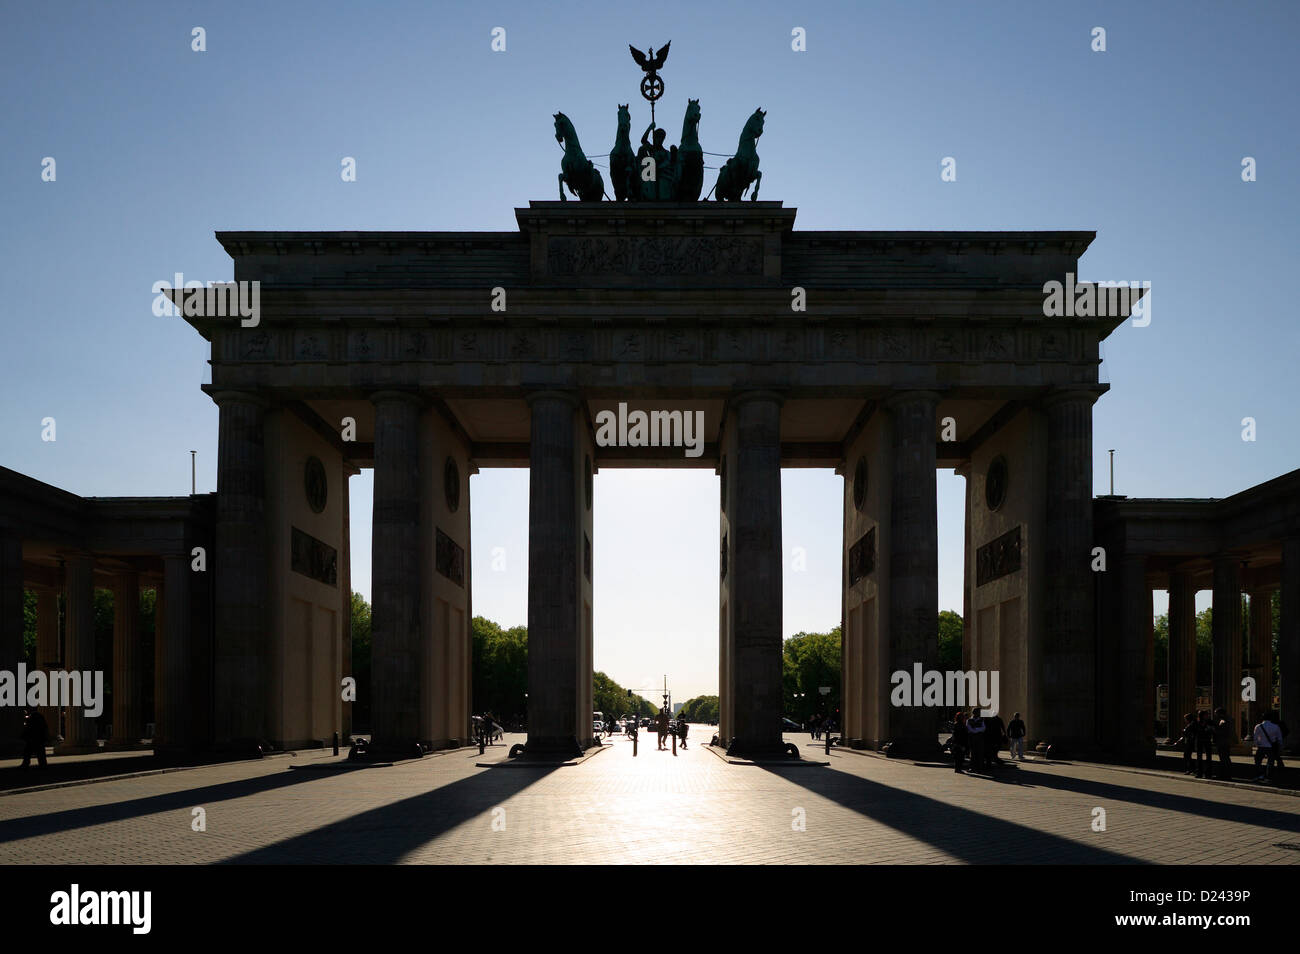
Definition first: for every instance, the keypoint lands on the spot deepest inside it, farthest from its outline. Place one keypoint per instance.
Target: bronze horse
(577, 171)
(741, 169)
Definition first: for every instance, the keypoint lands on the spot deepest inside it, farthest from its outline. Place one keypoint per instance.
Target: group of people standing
(981, 738)
(820, 724)
(1205, 736)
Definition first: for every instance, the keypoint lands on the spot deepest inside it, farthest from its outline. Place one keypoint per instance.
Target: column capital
(907, 397)
(233, 396)
(1059, 396)
(737, 398)
(570, 397)
(392, 394)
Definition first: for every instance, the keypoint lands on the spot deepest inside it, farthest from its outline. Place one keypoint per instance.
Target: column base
(758, 750)
(389, 751)
(1071, 750)
(552, 748)
(917, 751)
(68, 748)
(123, 745)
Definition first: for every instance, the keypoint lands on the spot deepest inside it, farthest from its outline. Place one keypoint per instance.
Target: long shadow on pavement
(384, 835)
(33, 825)
(972, 836)
(1193, 804)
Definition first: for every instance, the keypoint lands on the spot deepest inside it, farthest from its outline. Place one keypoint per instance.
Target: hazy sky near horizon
(158, 146)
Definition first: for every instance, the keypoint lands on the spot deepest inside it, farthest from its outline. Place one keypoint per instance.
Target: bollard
(828, 743)
(336, 743)
(634, 737)
(674, 742)
(482, 742)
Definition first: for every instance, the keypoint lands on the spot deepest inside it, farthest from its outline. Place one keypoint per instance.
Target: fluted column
(47, 647)
(1068, 664)
(1288, 642)
(172, 700)
(967, 624)
(754, 574)
(1226, 679)
(242, 572)
(914, 565)
(554, 701)
(1261, 652)
(11, 632)
(345, 582)
(1136, 723)
(1182, 649)
(128, 725)
(396, 619)
(79, 575)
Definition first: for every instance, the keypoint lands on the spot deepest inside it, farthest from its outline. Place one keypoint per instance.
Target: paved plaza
(310, 807)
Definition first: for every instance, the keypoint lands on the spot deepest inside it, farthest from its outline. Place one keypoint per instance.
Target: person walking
(995, 734)
(1204, 735)
(1223, 733)
(1016, 738)
(661, 727)
(959, 741)
(975, 730)
(1188, 741)
(682, 729)
(1268, 742)
(35, 731)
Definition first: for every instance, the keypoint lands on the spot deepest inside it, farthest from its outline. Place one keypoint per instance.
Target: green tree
(361, 662)
(810, 661)
(500, 670)
(950, 640)
(700, 709)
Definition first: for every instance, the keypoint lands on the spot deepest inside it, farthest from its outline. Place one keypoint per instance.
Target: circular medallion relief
(860, 484)
(995, 483)
(451, 484)
(315, 484)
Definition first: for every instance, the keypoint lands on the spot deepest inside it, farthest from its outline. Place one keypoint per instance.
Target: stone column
(242, 566)
(172, 697)
(1226, 678)
(79, 574)
(11, 634)
(1261, 652)
(914, 565)
(1136, 723)
(1182, 650)
(554, 562)
(1068, 681)
(396, 655)
(1288, 642)
(755, 575)
(128, 725)
(345, 582)
(967, 624)
(47, 647)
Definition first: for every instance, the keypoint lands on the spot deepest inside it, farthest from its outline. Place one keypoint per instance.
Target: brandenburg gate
(429, 355)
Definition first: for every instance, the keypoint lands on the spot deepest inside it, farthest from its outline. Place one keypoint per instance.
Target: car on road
(789, 725)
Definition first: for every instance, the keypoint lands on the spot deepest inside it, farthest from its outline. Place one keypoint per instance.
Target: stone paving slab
(651, 809)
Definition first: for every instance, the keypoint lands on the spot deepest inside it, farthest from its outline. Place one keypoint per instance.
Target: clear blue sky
(158, 146)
